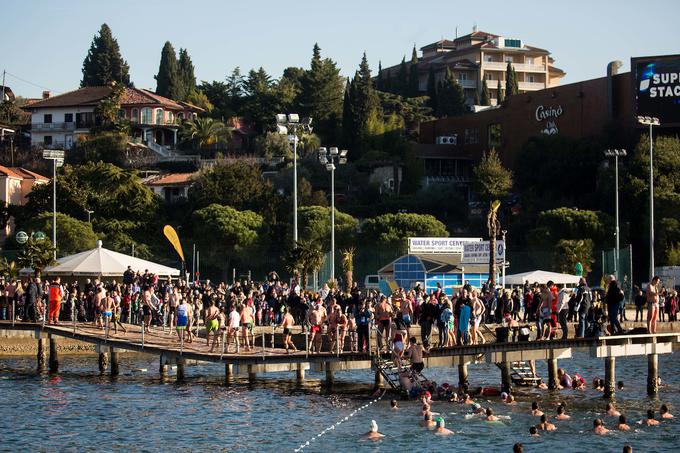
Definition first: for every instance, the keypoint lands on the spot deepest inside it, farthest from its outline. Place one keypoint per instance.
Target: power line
(26, 81)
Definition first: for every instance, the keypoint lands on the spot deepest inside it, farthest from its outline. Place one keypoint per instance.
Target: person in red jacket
(56, 295)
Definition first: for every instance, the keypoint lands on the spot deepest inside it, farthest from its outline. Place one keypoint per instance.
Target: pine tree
(401, 84)
(388, 83)
(485, 98)
(499, 95)
(168, 81)
(413, 83)
(379, 82)
(476, 100)
(104, 63)
(450, 97)
(511, 85)
(364, 104)
(432, 89)
(347, 117)
(186, 74)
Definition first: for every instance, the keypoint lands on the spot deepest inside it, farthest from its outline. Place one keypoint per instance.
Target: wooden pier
(267, 358)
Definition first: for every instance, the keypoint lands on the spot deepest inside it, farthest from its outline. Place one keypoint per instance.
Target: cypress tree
(476, 100)
(347, 117)
(364, 104)
(499, 95)
(379, 83)
(186, 73)
(321, 96)
(388, 86)
(485, 98)
(104, 63)
(432, 89)
(413, 84)
(451, 97)
(168, 82)
(511, 85)
(401, 85)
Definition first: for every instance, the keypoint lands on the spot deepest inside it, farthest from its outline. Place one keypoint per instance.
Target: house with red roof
(60, 121)
(171, 187)
(15, 185)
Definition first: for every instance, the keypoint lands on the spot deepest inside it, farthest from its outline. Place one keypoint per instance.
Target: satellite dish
(21, 237)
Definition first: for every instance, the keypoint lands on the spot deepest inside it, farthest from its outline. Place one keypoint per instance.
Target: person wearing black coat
(613, 297)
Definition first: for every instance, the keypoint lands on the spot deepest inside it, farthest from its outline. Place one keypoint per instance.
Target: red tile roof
(8, 172)
(28, 174)
(90, 96)
(169, 179)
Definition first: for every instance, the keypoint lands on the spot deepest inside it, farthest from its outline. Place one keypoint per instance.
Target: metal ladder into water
(520, 371)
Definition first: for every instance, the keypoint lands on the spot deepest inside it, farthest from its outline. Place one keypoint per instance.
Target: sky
(44, 42)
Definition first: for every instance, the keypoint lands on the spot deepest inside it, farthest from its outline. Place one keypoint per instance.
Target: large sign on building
(438, 245)
(478, 252)
(656, 87)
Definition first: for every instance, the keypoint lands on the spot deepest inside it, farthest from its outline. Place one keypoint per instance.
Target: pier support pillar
(379, 380)
(463, 377)
(103, 361)
(506, 380)
(114, 362)
(54, 358)
(42, 355)
(609, 377)
(552, 374)
(652, 374)
(329, 376)
(300, 372)
(180, 368)
(252, 374)
(228, 371)
(162, 367)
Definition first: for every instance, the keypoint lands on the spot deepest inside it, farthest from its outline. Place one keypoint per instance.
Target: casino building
(450, 147)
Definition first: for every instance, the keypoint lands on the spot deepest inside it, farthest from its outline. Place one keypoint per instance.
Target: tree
(401, 84)
(485, 97)
(314, 224)
(492, 180)
(185, 71)
(322, 91)
(432, 89)
(499, 93)
(450, 96)
(36, 254)
(73, 235)
(104, 63)
(511, 84)
(413, 82)
(348, 266)
(225, 232)
(362, 105)
(238, 184)
(273, 145)
(393, 229)
(168, 81)
(305, 258)
(261, 102)
(199, 99)
(204, 132)
(107, 110)
(570, 252)
(107, 147)
(570, 223)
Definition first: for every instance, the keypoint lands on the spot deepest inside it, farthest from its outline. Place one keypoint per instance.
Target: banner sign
(657, 87)
(478, 252)
(438, 245)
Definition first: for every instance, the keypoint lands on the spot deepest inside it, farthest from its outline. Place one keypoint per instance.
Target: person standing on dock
(613, 298)
(316, 318)
(584, 299)
(212, 324)
(33, 294)
(287, 323)
(653, 304)
(247, 321)
(363, 321)
(56, 295)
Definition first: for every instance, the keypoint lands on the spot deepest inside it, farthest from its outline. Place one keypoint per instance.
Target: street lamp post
(57, 158)
(651, 122)
(283, 124)
(329, 158)
(88, 215)
(616, 153)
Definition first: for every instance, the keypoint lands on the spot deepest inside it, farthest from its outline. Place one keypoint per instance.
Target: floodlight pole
(651, 122)
(54, 208)
(295, 188)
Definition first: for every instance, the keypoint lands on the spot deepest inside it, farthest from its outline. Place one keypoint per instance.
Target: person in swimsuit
(478, 312)
(623, 424)
(342, 322)
(234, 326)
(598, 427)
(649, 421)
(182, 319)
(560, 414)
(415, 355)
(212, 324)
(352, 330)
(384, 315)
(286, 323)
(247, 320)
(117, 313)
(545, 425)
(611, 410)
(397, 349)
(373, 434)
(440, 428)
(107, 310)
(316, 318)
(653, 304)
(663, 410)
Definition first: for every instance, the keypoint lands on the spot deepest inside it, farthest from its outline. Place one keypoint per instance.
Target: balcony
(48, 127)
(493, 84)
(468, 83)
(519, 67)
(146, 122)
(531, 86)
(494, 65)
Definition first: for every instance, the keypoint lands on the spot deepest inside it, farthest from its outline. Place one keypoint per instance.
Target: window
(171, 118)
(531, 78)
(462, 76)
(471, 136)
(147, 116)
(489, 58)
(513, 43)
(488, 76)
(159, 116)
(121, 113)
(508, 59)
(134, 117)
(68, 117)
(495, 135)
(47, 118)
(47, 140)
(528, 60)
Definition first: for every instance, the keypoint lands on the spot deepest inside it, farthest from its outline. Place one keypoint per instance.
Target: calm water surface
(81, 411)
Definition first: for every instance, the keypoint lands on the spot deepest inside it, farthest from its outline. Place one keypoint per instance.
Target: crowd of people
(444, 320)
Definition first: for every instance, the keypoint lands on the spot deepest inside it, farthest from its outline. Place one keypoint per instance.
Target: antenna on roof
(474, 28)
(456, 31)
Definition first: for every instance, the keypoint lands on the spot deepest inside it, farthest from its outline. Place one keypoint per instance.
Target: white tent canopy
(538, 276)
(105, 263)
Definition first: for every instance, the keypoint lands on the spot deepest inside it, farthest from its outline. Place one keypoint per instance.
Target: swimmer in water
(467, 399)
(533, 432)
(598, 427)
(490, 417)
(393, 405)
(545, 425)
(664, 412)
(598, 384)
(623, 424)
(560, 414)
(373, 434)
(427, 421)
(627, 449)
(510, 400)
(649, 421)
(441, 429)
(619, 385)
(541, 385)
(425, 410)
(535, 411)
(611, 410)
(477, 409)
(518, 448)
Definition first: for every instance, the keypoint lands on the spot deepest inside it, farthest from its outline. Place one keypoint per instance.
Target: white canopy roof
(105, 263)
(542, 277)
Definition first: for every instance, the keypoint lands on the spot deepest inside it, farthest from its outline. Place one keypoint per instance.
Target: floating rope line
(338, 423)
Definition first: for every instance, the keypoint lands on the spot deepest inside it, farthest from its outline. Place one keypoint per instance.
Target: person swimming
(663, 410)
(440, 428)
(623, 424)
(649, 421)
(427, 421)
(535, 411)
(533, 432)
(598, 427)
(477, 409)
(561, 415)
(611, 410)
(545, 425)
(394, 405)
(490, 417)
(373, 434)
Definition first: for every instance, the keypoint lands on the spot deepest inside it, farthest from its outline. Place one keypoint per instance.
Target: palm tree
(348, 266)
(203, 132)
(306, 257)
